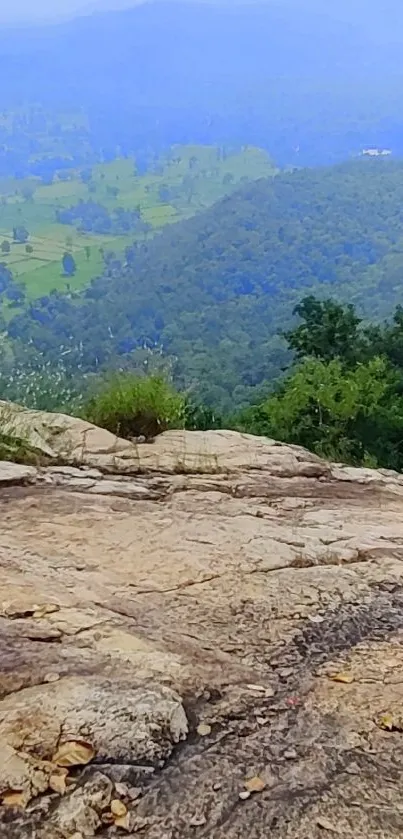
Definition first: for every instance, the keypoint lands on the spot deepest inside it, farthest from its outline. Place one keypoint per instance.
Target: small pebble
(197, 821)
(52, 677)
(290, 754)
(286, 672)
(244, 795)
(134, 793)
(203, 729)
(122, 790)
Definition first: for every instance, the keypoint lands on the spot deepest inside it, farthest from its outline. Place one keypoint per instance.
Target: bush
(129, 405)
(18, 450)
(200, 417)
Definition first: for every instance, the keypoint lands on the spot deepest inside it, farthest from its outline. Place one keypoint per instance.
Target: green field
(192, 176)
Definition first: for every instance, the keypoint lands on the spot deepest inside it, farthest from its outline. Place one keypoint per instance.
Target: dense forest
(215, 292)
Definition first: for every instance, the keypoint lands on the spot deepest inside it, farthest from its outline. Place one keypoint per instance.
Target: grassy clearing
(210, 172)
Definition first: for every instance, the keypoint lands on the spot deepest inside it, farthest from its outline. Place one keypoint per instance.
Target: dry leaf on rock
(386, 722)
(123, 822)
(255, 784)
(344, 678)
(118, 809)
(74, 753)
(13, 798)
(45, 609)
(327, 825)
(57, 781)
(203, 729)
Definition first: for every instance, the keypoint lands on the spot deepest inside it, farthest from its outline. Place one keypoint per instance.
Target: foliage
(28, 380)
(20, 234)
(102, 217)
(69, 264)
(345, 401)
(217, 289)
(18, 450)
(329, 330)
(200, 417)
(133, 406)
(15, 446)
(92, 217)
(352, 415)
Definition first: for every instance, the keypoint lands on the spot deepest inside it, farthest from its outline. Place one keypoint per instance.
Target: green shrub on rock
(130, 405)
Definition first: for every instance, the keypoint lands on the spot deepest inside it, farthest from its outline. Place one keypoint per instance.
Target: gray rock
(12, 474)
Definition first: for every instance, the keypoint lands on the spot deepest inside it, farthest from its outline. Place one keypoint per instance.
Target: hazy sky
(364, 13)
(39, 9)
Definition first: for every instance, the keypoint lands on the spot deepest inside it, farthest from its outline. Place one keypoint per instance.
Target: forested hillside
(214, 292)
(67, 215)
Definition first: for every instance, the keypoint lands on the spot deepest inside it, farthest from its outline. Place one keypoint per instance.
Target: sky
(29, 10)
(365, 14)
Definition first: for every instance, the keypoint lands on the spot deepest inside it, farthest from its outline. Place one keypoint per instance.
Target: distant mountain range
(311, 85)
(382, 21)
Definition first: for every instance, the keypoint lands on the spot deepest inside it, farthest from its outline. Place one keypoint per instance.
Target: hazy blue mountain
(310, 86)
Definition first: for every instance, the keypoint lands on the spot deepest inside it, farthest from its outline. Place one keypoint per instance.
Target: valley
(201, 419)
(178, 184)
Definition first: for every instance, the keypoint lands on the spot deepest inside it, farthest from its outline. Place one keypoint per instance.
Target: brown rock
(81, 810)
(181, 597)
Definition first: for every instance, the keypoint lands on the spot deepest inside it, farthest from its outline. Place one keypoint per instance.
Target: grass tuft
(133, 406)
(14, 445)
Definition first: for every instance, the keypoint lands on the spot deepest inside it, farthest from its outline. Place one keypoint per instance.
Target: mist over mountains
(312, 86)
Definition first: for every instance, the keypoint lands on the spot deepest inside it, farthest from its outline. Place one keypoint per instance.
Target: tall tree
(69, 264)
(328, 330)
(20, 234)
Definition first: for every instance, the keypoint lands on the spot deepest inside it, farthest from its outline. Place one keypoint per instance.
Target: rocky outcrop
(200, 638)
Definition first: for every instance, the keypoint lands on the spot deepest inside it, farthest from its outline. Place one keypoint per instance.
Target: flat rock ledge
(199, 637)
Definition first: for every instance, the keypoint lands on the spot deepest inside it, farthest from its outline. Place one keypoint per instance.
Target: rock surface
(203, 640)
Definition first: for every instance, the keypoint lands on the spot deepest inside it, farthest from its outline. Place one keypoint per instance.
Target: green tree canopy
(328, 330)
(354, 415)
(69, 264)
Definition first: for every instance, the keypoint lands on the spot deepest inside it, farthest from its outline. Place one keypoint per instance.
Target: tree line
(342, 396)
